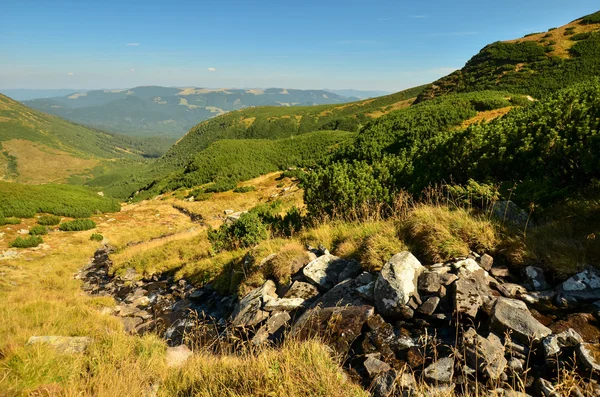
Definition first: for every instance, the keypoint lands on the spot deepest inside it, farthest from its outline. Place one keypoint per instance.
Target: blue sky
(376, 44)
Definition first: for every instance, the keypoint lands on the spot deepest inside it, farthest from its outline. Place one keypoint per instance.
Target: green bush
(27, 242)
(220, 186)
(96, 237)
(9, 221)
(244, 189)
(49, 220)
(77, 225)
(38, 230)
(245, 232)
(591, 19)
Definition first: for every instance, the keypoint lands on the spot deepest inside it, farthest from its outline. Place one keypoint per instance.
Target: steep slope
(40, 148)
(153, 110)
(536, 65)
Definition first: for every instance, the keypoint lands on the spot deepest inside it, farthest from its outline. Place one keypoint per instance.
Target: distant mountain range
(169, 111)
(360, 94)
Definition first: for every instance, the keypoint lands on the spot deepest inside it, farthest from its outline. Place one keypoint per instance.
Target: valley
(439, 241)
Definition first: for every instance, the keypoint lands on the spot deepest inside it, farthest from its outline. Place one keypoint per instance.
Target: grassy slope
(40, 148)
(242, 159)
(536, 65)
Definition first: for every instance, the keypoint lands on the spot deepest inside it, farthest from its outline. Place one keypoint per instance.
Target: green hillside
(38, 148)
(536, 65)
(228, 161)
(283, 122)
(169, 111)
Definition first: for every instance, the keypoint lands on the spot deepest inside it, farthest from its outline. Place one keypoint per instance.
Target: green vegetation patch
(49, 220)
(244, 189)
(38, 230)
(27, 242)
(245, 232)
(77, 225)
(96, 237)
(591, 19)
(26, 200)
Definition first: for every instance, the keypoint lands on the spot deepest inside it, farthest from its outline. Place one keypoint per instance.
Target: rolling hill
(169, 111)
(537, 64)
(40, 148)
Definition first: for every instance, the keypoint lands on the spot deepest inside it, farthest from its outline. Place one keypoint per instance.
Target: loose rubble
(452, 324)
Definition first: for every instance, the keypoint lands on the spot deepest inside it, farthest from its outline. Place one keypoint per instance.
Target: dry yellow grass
(486, 116)
(38, 163)
(396, 106)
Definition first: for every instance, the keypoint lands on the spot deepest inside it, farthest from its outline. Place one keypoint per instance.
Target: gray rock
(328, 270)
(582, 288)
(510, 290)
(486, 262)
(63, 344)
(283, 304)
(500, 271)
(466, 267)
(589, 356)
(545, 388)
(511, 315)
(384, 384)
(470, 293)
(510, 212)
(554, 343)
(535, 279)
(274, 325)
(397, 283)
(300, 289)
(486, 355)
(374, 366)
(440, 371)
(178, 355)
(248, 311)
(367, 291)
(429, 306)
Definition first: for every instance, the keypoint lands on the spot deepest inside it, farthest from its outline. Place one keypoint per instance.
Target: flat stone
(470, 293)
(486, 355)
(63, 344)
(300, 289)
(500, 271)
(589, 356)
(283, 304)
(429, 306)
(338, 326)
(397, 283)
(177, 356)
(375, 367)
(440, 371)
(582, 288)
(511, 315)
(510, 290)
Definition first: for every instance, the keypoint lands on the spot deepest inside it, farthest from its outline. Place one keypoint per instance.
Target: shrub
(96, 237)
(49, 220)
(77, 225)
(9, 221)
(591, 19)
(220, 186)
(27, 242)
(244, 232)
(244, 189)
(38, 230)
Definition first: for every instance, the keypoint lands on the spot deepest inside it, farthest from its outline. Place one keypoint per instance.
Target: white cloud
(70, 74)
(212, 69)
(132, 44)
(384, 19)
(132, 69)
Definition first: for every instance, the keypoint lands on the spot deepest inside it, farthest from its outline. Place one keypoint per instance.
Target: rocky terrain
(462, 325)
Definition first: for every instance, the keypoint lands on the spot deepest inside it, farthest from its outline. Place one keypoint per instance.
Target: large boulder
(328, 270)
(248, 312)
(511, 315)
(397, 283)
(486, 355)
(470, 292)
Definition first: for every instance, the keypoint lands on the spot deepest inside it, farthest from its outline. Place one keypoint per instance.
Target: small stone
(429, 306)
(300, 289)
(485, 354)
(375, 366)
(545, 388)
(486, 262)
(328, 270)
(177, 356)
(383, 386)
(554, 343)
(500, 271)
(396, 284)
(367, 291)
(248, 312)
(441, 371)
(535, 279)
(274, 325)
